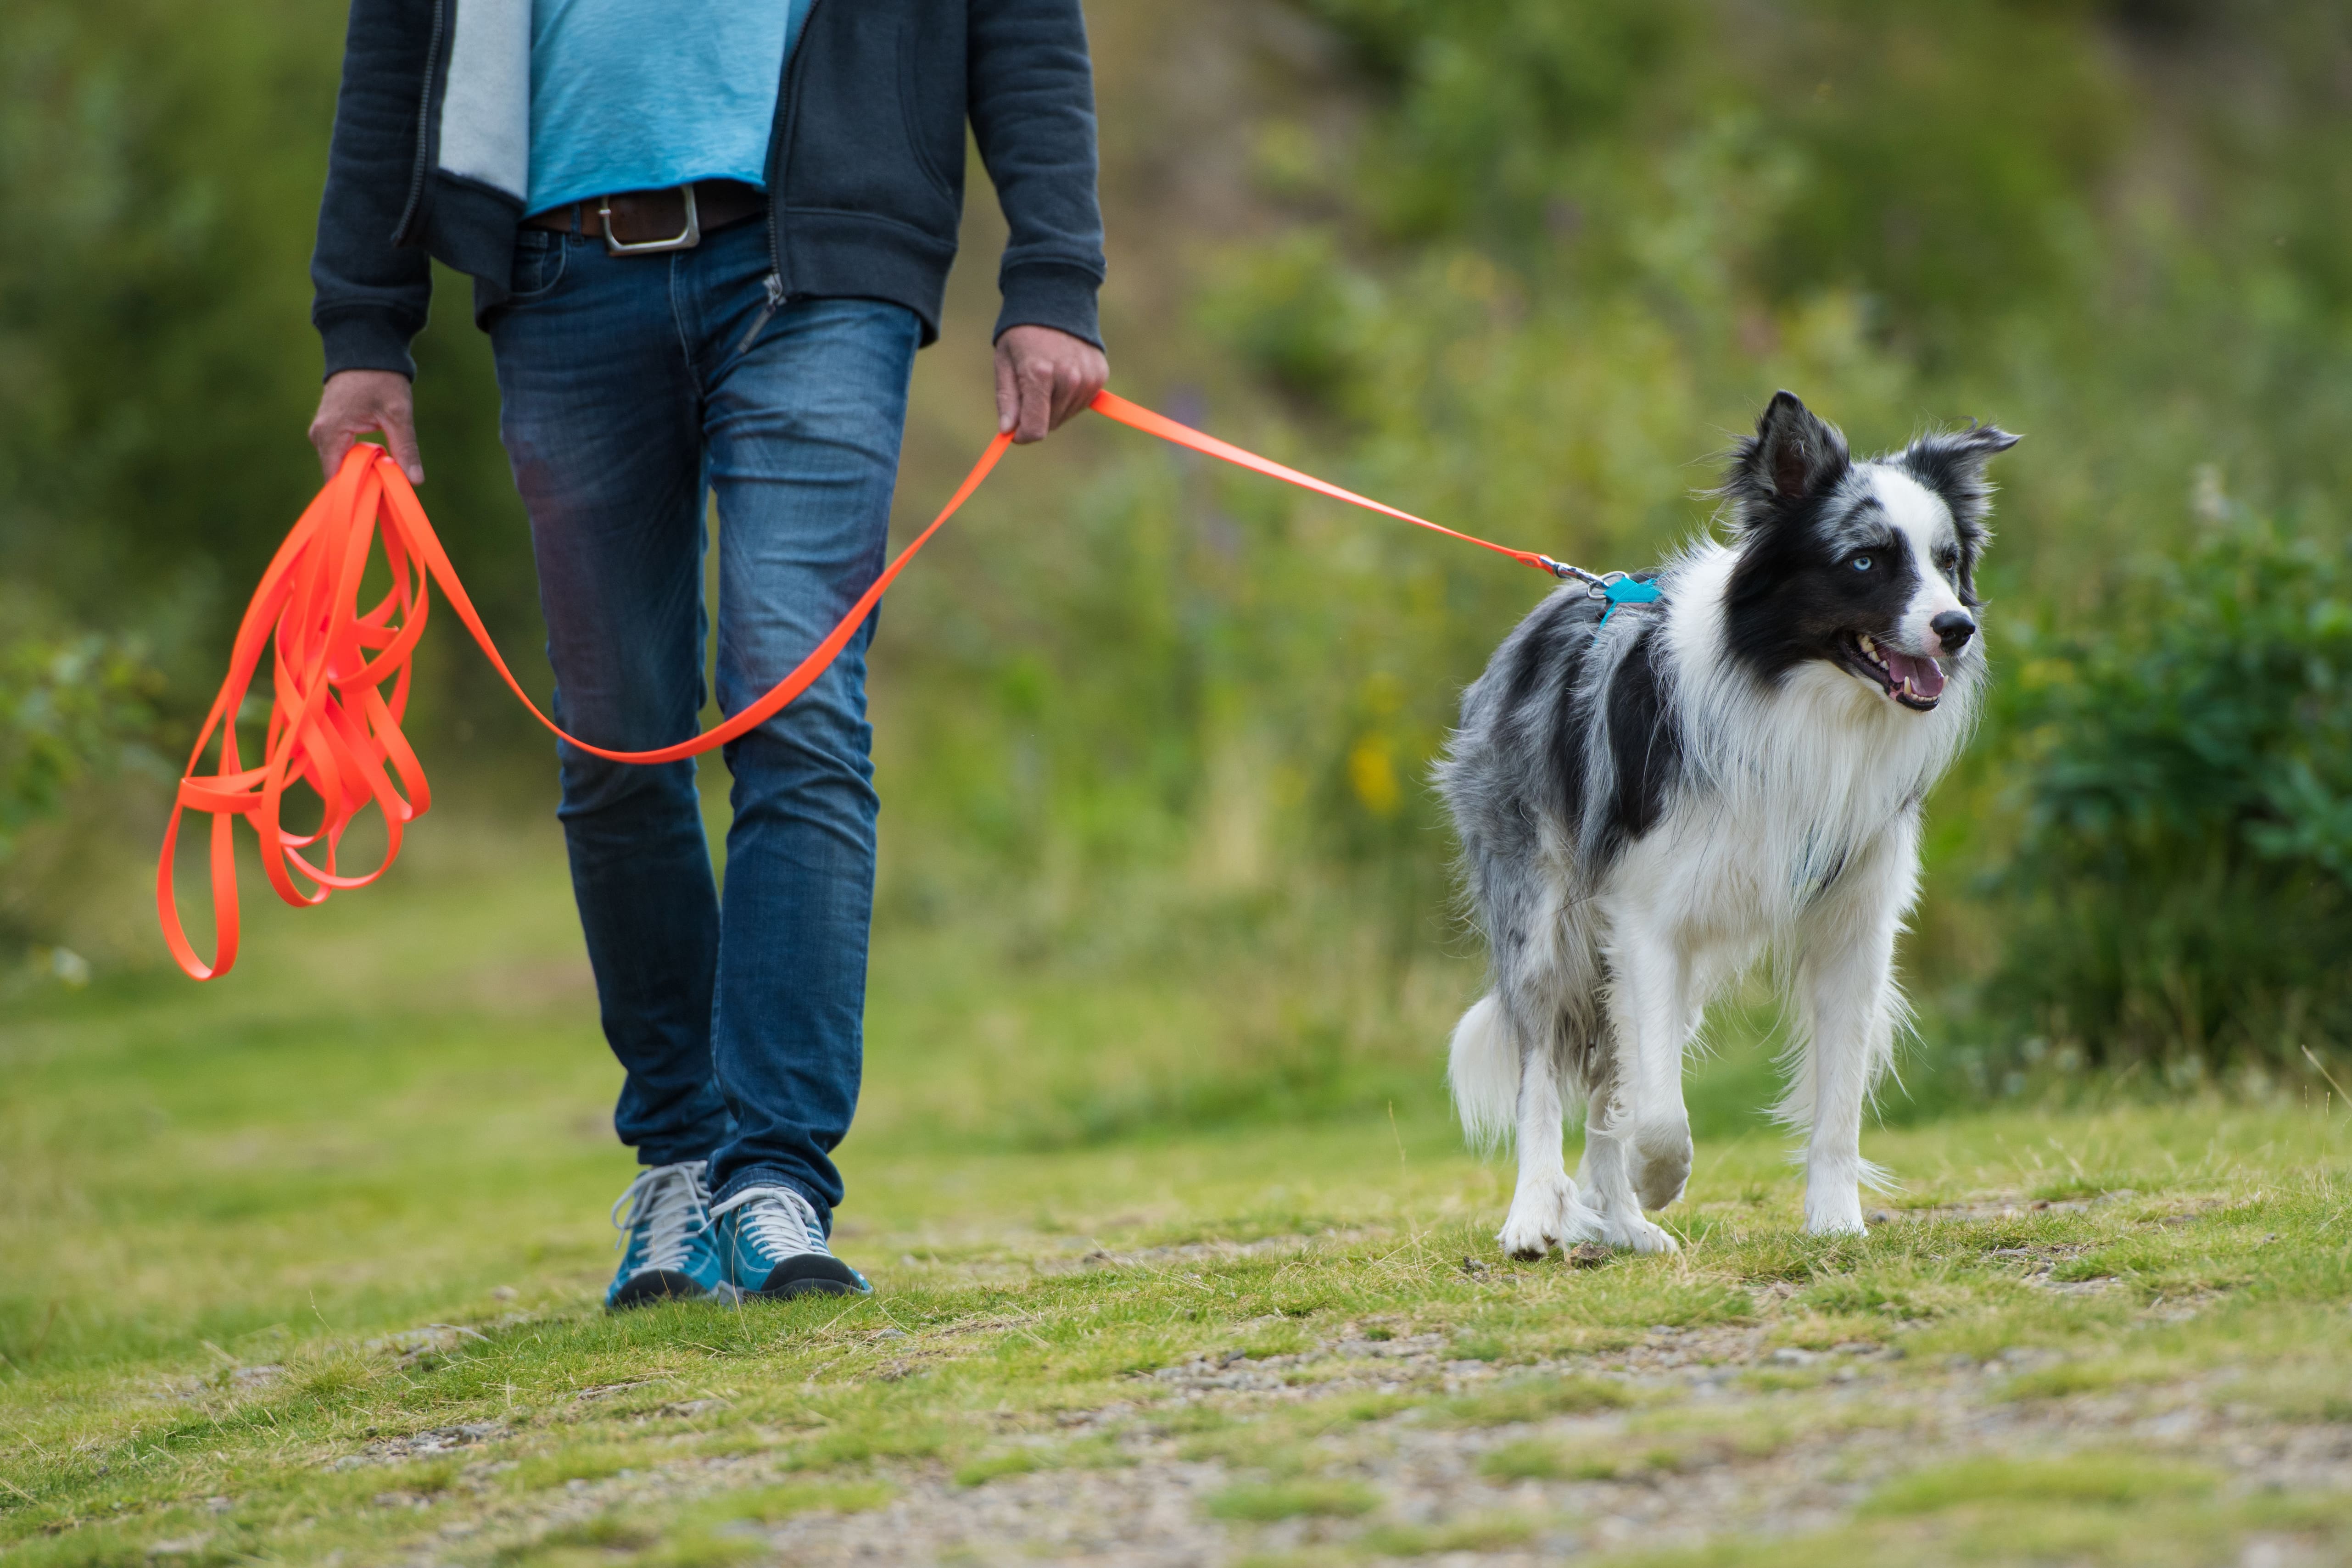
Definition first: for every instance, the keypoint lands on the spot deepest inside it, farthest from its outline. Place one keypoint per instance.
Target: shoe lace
(778, 1220)
(669, 1202)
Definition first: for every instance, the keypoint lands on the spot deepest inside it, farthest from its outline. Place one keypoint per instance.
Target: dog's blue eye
(1860, 563)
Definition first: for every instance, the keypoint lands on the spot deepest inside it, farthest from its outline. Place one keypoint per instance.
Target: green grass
(1527, 1459)
(773, 1505)
(266, 1239)
(1490, 1532)
(988, 1467)
(1266, 1503)
(1533, 1399)
(2114, 1480)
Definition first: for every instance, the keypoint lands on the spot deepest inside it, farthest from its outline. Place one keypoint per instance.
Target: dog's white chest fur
(1790, 790)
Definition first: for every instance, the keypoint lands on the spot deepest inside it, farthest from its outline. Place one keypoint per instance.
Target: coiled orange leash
(333, 727)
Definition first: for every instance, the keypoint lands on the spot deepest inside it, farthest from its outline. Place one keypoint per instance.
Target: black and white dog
(1651, 801)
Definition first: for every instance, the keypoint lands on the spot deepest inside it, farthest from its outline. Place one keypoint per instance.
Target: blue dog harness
(1625, 590)
(1616, 587)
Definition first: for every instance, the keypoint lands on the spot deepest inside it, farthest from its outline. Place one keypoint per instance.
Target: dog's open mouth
(1918, 683)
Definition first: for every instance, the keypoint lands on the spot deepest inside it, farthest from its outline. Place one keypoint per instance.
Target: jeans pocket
(539, 263)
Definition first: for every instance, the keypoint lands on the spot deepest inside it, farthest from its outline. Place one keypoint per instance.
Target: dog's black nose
(1955, 628)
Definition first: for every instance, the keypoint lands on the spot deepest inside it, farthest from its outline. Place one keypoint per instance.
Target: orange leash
(1167, 429)
(333, 727)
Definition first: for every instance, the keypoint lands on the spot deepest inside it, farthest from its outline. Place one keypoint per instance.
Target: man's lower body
(635, 389)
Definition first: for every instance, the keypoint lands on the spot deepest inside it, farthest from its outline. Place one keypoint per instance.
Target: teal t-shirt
(631, 95)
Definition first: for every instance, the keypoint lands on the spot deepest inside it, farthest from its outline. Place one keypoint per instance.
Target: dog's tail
(1482, 1065)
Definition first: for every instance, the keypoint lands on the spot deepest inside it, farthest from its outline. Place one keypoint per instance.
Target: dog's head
(1868, 566)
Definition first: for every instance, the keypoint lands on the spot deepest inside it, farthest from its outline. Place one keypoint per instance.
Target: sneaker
(774, 1247)
(671, 1250)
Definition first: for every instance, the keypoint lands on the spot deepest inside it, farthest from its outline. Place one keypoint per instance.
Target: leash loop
(339, 676)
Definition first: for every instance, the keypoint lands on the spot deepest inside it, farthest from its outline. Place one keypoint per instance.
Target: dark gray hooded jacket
(432, 158)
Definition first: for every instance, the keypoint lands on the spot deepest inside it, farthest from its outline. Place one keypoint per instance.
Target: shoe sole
(786, 1292)
(653, 1286)
(811, 1274)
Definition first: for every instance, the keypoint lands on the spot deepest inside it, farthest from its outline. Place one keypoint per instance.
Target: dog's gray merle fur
(1650, 803)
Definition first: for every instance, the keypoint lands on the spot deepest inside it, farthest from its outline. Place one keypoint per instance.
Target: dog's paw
(1832, 1208)
(1835, 1219)
(1639, 1235)
(1532, 1227)
(1523, 1239)
(1547, 1214)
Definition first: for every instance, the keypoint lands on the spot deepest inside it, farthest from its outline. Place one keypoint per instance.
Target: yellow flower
(1374, 779)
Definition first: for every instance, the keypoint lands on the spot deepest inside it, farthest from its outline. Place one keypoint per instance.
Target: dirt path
(1723, 1439)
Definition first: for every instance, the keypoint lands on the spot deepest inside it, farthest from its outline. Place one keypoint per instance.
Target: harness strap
(1619, 590)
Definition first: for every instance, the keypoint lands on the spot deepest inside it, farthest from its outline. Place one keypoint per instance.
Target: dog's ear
(1951, 463)
(1792, 456)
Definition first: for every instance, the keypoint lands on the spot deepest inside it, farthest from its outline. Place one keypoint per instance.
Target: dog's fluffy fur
(1649, 804)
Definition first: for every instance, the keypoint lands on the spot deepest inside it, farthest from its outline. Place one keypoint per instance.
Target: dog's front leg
(1637, 1142)
(1848, 1002)
(1545, 1210)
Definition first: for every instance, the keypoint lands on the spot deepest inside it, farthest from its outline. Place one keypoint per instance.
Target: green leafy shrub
(68, 704)
(2182, 890)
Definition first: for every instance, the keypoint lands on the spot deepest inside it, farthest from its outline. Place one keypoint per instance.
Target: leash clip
(1566, 574)
(1616, 587)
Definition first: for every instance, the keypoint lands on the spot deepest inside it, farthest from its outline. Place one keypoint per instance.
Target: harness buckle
(1620, 588)
(685, 239)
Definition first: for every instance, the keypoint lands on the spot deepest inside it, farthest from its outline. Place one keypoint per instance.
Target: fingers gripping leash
(340, 675)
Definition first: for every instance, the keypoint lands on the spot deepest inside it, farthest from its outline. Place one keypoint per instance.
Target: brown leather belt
(631, 222)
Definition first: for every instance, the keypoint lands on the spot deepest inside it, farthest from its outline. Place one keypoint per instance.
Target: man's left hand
(1043, 377)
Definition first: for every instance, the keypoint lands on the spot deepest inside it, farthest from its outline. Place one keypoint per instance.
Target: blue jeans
(633, 387)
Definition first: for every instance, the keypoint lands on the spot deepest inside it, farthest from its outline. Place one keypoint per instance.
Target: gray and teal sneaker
(773, 1246)
(671, 1249)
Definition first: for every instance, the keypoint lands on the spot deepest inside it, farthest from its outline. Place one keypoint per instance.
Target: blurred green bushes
(2183, 890)
(1512, 264)
(69, 706)
(1541, 260)
(159, 174)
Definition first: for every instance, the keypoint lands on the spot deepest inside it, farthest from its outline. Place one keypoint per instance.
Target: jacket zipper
(768, 313)
(787, 106)
(423, 124)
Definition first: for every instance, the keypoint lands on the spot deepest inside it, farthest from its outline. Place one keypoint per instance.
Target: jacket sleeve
(1032, 98)
(370, 292)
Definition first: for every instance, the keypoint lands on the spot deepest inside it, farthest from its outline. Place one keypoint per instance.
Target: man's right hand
(367, 403)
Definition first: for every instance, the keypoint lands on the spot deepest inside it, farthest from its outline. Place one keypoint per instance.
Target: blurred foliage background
(1520, 265)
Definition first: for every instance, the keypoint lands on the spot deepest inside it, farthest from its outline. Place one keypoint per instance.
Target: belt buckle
(685, 239)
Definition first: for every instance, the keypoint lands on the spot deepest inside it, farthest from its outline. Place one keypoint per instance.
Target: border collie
(1652, 796)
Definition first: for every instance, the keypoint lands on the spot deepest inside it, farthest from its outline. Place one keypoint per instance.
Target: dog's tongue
(1925, 675)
